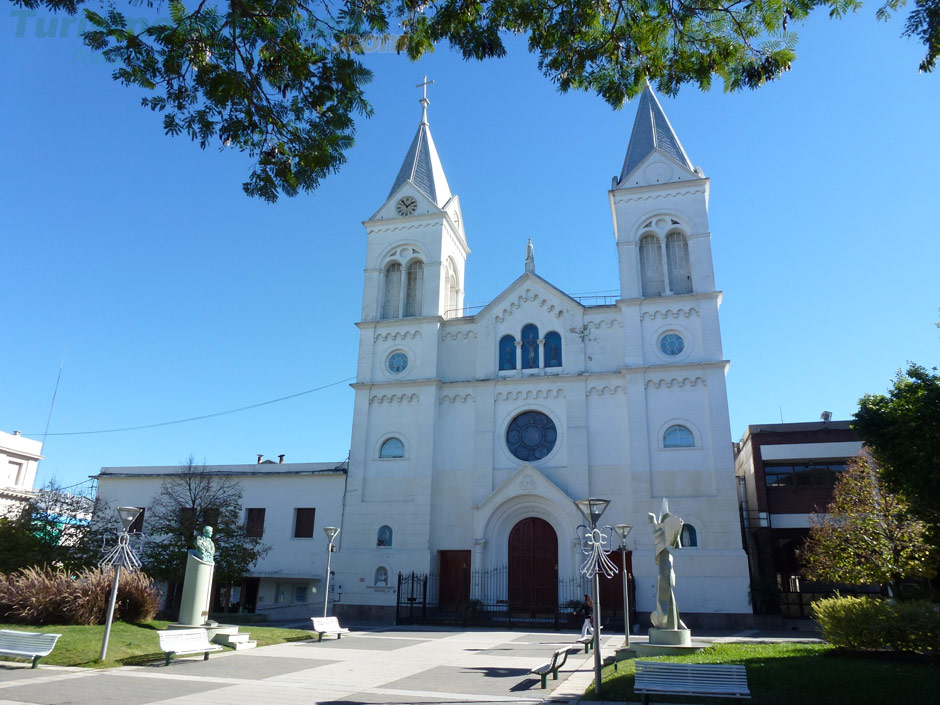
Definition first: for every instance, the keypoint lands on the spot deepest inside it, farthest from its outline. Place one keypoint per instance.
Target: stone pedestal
(197, 584)
(668, 642)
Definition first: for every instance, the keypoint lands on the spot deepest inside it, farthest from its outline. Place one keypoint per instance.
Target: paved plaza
(393, 665)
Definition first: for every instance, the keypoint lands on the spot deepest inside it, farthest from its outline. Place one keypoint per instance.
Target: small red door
(455, 580)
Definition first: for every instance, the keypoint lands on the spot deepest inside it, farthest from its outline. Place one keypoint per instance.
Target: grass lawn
(129, 643)
(784, 674)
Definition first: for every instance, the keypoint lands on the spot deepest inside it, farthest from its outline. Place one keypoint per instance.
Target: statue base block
(669, 642)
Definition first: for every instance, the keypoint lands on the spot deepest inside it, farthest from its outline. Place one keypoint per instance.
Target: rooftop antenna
(54, 393)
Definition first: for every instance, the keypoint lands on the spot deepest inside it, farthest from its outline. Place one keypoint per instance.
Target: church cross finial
(424, 98)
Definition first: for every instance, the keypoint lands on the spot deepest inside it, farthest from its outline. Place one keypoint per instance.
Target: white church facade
(473, 435)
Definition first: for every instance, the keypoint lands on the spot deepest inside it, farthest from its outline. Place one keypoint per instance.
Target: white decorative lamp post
(330, 532)
(121, 556)
(592, 544)
(623, 530)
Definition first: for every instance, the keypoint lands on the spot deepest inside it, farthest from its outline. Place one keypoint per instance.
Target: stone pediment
(527, 480)
(529, 292)
(425, 206)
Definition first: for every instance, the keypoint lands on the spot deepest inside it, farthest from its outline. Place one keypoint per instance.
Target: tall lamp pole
(597, 562)
(119, 556)
(623, 530)
(330, 532)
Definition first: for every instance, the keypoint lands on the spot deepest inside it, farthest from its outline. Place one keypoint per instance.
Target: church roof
(422, 167)
(652, 131)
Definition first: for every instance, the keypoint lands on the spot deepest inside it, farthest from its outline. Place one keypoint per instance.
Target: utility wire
(204, 416)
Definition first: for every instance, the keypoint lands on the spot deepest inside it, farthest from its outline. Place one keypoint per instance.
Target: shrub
(54, 596)
(871, 624)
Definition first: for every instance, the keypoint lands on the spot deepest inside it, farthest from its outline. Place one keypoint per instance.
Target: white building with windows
(19, 461)
(473, 434)
(287, 505)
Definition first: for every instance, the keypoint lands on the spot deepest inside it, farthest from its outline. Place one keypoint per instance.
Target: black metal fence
(420, 601)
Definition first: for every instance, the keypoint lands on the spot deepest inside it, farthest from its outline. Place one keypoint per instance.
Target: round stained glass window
(671, 344)
(397, 362)
(531, 436)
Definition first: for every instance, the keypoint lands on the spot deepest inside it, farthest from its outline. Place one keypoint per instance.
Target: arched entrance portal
(533, 567)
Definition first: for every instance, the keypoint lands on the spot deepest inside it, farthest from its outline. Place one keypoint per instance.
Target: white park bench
(552, 666)
(180, 642)
(587, 641)
(28, 645)
(327, 625)
(712, 680)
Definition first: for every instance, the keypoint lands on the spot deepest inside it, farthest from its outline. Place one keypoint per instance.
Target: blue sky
(172, 295)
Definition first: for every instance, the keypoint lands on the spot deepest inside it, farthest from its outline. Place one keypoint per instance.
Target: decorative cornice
(604, 323)
(674, 382)
(398, 335)
(457, 335)
(455, 398)
(393, 398)
(530, 297)
(670, 313)
(606, 389)
(656, 196)
(531, 394)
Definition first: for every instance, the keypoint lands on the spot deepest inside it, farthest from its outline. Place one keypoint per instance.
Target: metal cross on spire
(424, 98)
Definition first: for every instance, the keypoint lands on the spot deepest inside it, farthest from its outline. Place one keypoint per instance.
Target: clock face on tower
(406, 205)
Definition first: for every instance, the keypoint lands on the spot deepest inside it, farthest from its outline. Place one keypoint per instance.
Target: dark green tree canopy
(282, 80)
(902, 428)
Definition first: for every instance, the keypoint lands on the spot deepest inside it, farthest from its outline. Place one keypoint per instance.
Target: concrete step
(231, 639)
(241, 645)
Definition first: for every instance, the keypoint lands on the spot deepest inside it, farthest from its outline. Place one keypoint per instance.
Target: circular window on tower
(531, 436)
(671, 344)
(397, 362)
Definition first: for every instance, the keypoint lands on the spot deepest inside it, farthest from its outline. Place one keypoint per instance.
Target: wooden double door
(533, 568)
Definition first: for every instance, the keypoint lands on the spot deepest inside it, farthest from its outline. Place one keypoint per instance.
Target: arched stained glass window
(688, 538)
(384, 538)
(530, 347)
(651, 266)
(392, 448)
(507, 353)
(414, 281)
(391, 296)
(552, 349)
(677, 263)
(678, 437)
(381, 576)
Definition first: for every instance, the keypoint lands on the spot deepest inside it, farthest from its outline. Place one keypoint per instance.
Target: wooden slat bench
(328, 625)
(28, 645)
(715, 680)
(181, 642)
(552, 666)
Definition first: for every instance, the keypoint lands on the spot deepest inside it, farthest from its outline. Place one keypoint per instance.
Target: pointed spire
(422, 167)
(652, 131)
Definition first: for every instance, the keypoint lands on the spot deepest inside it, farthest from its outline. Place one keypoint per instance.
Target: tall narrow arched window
(651, 266)
(688, 537)
(384, 538)
(677, 263)
(507, 353)
(414, 281)
(391, 296)
(678, 437)
(452, 299)
(530, 347)
(552, 349)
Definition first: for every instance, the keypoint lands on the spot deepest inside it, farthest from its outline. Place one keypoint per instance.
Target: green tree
(53, 528)
(282, 81)
(192, 498)
(867, 535)
(902, 429)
